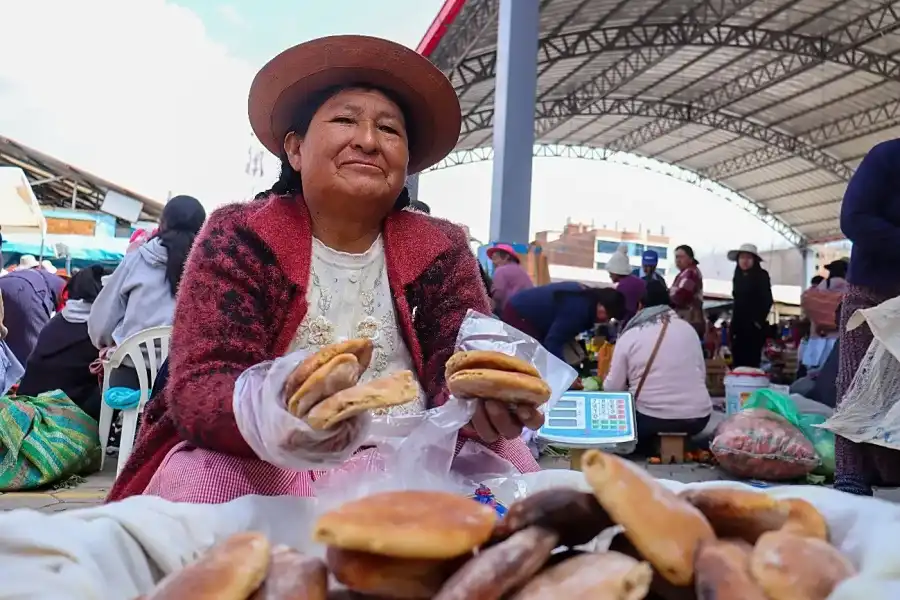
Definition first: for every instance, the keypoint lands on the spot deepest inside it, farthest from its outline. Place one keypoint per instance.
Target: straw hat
(748, 248)
(426, 96)
(28, 261)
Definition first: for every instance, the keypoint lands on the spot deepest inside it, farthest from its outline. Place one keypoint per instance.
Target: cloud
(231, 15)
(135, 92)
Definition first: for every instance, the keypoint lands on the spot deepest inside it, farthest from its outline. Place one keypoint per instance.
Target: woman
(870, 218)
(686, 293)
(64, 351)
(30, 297)
(509, 276)
(657, 359)
(557, 313)
(328, 253)
(820, 305)
(629, 285)
(141, 292)
(752, 296)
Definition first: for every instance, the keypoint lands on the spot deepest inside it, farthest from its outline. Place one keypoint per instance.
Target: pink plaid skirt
(197, 475)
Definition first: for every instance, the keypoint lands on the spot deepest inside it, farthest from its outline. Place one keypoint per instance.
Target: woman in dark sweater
(752, 294)
(870, 218)
(63, 355)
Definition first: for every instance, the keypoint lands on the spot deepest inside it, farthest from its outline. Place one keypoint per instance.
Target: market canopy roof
(777, 100)
(55, 183)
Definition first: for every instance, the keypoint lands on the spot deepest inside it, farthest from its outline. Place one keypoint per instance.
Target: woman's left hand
(494, 420)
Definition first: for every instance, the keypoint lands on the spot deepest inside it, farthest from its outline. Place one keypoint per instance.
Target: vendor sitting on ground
(657, 359)
(556, 313)
(62, 358)
(328, 254)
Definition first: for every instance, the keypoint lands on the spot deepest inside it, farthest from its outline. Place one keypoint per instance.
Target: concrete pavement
(94, 489)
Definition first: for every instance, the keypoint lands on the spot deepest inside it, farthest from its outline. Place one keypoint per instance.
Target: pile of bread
(709, 544)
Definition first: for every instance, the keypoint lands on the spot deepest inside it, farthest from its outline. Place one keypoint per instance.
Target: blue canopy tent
(83, 251)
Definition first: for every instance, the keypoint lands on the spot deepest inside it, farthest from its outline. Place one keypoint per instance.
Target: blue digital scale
(590, 419)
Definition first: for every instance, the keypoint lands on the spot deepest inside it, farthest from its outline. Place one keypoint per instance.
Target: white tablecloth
(119, 551)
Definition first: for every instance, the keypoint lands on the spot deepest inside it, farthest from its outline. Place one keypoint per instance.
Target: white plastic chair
(133, 347)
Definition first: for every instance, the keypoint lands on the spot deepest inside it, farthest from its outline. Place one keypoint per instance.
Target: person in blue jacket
(870, 218)
(555, 314)
(649, 262)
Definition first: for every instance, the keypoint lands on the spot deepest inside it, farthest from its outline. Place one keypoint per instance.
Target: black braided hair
(289, 181)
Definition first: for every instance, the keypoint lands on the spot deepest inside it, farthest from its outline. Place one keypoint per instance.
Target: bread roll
(575, 516)
(741, 514)
(805, 519)
(399, 578)
(494, 572)
(490, 384)
(338, 374)
(788, 566)
(665, 529)
(606, 576)
(723, 571)
(362, 348)
(293, 576)
(393, 390)
(408, 524)
(488, 359)
(231, 570)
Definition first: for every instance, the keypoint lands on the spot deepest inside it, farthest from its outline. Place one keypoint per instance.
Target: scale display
(590, 419)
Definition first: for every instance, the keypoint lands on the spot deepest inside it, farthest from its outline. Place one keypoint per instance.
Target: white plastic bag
(277, 436)
(420, 452)
(870, 410)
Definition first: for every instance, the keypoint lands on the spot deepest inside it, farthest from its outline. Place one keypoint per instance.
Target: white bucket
(740, 384)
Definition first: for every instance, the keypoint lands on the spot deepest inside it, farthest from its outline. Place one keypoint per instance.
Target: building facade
(588, 247)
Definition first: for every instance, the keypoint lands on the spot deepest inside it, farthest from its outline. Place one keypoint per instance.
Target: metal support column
(412, 186)
(514, 101)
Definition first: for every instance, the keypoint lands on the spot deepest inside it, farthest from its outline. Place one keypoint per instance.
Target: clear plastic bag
(759, 444)
(419, 453)
(280, 438)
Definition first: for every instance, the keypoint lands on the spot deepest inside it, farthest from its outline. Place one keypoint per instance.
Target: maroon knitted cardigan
(243, 296)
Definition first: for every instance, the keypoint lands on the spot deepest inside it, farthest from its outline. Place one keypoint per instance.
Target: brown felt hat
(287, 81)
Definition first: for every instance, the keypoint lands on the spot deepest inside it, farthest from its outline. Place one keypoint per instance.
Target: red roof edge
(439, 26)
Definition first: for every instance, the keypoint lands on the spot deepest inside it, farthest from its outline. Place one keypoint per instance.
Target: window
(661, 272)
(662, 251)
(635, 249)
(600, 266)
(606, 247)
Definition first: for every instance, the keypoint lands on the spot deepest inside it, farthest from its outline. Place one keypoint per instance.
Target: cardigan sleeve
(220, 330)
(452, 286)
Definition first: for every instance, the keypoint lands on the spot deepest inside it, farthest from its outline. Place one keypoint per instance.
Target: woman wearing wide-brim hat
(329, 253)
(752, 296)
(510, 277)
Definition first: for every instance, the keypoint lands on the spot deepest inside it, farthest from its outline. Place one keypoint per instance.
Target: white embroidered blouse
(350, 297)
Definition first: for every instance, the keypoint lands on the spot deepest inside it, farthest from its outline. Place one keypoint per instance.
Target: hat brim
(493, 250)
(429, 102)
(733, 255)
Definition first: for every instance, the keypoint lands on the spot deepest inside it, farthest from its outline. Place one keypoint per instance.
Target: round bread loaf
(408, 524)
(488, 359)
(490, 384)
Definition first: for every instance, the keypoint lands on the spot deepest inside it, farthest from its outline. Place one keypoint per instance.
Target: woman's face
(500, 258)
(682, 260)
(745, 261)
(354, 154)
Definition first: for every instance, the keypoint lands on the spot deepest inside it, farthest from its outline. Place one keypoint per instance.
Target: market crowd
(337, 249)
